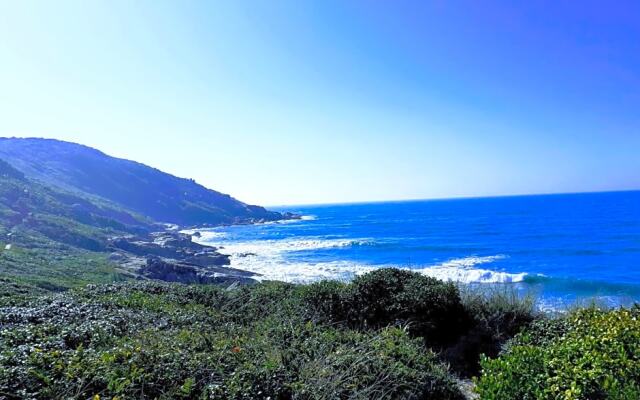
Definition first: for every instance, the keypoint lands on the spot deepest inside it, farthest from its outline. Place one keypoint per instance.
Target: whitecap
(462, 270)
(268, 258)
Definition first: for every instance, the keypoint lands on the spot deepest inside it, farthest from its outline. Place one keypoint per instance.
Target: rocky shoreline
(172, 256)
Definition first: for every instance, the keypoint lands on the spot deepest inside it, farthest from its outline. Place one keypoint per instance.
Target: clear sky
(289, 102)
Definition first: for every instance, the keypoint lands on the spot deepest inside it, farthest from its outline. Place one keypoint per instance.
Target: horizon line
(462, 197)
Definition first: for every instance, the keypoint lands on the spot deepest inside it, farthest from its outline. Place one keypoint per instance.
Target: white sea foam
(274, 247)
(268, 258)
(463, 270)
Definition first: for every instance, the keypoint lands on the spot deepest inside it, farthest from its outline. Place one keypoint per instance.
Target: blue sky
(290, 102)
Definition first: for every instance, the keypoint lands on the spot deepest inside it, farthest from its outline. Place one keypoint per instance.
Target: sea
(563, 248)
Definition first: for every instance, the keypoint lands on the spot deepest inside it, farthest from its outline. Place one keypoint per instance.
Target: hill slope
(63, 217)
(135, 186)
(54, 239)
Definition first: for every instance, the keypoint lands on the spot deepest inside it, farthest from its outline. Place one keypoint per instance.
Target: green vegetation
(34, 214)
(497, 314)
(171, 341)
(589, 354)
(55, 269)
(430, 308)
(387, 334)
(459, 326)
(384, 335)
(55, 239)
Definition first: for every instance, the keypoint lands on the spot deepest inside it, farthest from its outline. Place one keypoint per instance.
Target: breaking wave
(268, 259)
(463, 270)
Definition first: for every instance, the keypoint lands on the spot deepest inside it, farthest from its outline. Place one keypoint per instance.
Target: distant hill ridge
(132, 185)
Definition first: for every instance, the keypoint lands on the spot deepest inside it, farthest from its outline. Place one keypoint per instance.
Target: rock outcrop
(173, 257)
(157, 268)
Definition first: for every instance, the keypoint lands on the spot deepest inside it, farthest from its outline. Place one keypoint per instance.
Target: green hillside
(131, 185)
(53, 239)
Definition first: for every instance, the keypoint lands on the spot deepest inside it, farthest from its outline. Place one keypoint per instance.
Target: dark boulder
(208, 259)
(157, 268)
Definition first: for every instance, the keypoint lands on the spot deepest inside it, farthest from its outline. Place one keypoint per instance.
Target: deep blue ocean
(562, 247)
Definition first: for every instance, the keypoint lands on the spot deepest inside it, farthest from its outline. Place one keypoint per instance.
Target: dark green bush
(462, 326)
(326, 302)
(591, 354)
(429, 307)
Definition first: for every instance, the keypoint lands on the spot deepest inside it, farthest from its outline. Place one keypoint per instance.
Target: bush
(590, 354)
(497, 314)
(431, 308)
(372, 338)
(384, 365)
(461, 323)
(326, 302)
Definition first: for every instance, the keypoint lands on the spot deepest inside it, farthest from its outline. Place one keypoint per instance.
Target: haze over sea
(563, 247)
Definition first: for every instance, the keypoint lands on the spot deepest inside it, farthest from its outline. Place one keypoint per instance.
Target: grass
(56, 269)
(496, 313)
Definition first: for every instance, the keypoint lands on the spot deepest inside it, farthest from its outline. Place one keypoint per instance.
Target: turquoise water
(563, 247)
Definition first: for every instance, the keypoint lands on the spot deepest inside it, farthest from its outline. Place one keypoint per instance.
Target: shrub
(258, 301)
(431, 308)
(384, 365)
(326, 302)
(370, 338)
(497, 314)
(592, 354)
(460, 322)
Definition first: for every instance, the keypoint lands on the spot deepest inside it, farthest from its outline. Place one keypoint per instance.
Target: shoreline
(273, 265)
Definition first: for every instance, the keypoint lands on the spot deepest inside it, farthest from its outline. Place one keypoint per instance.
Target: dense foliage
(460, 326)
(387, 334)
(591, 354)
(430, 308)
(172, 341)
